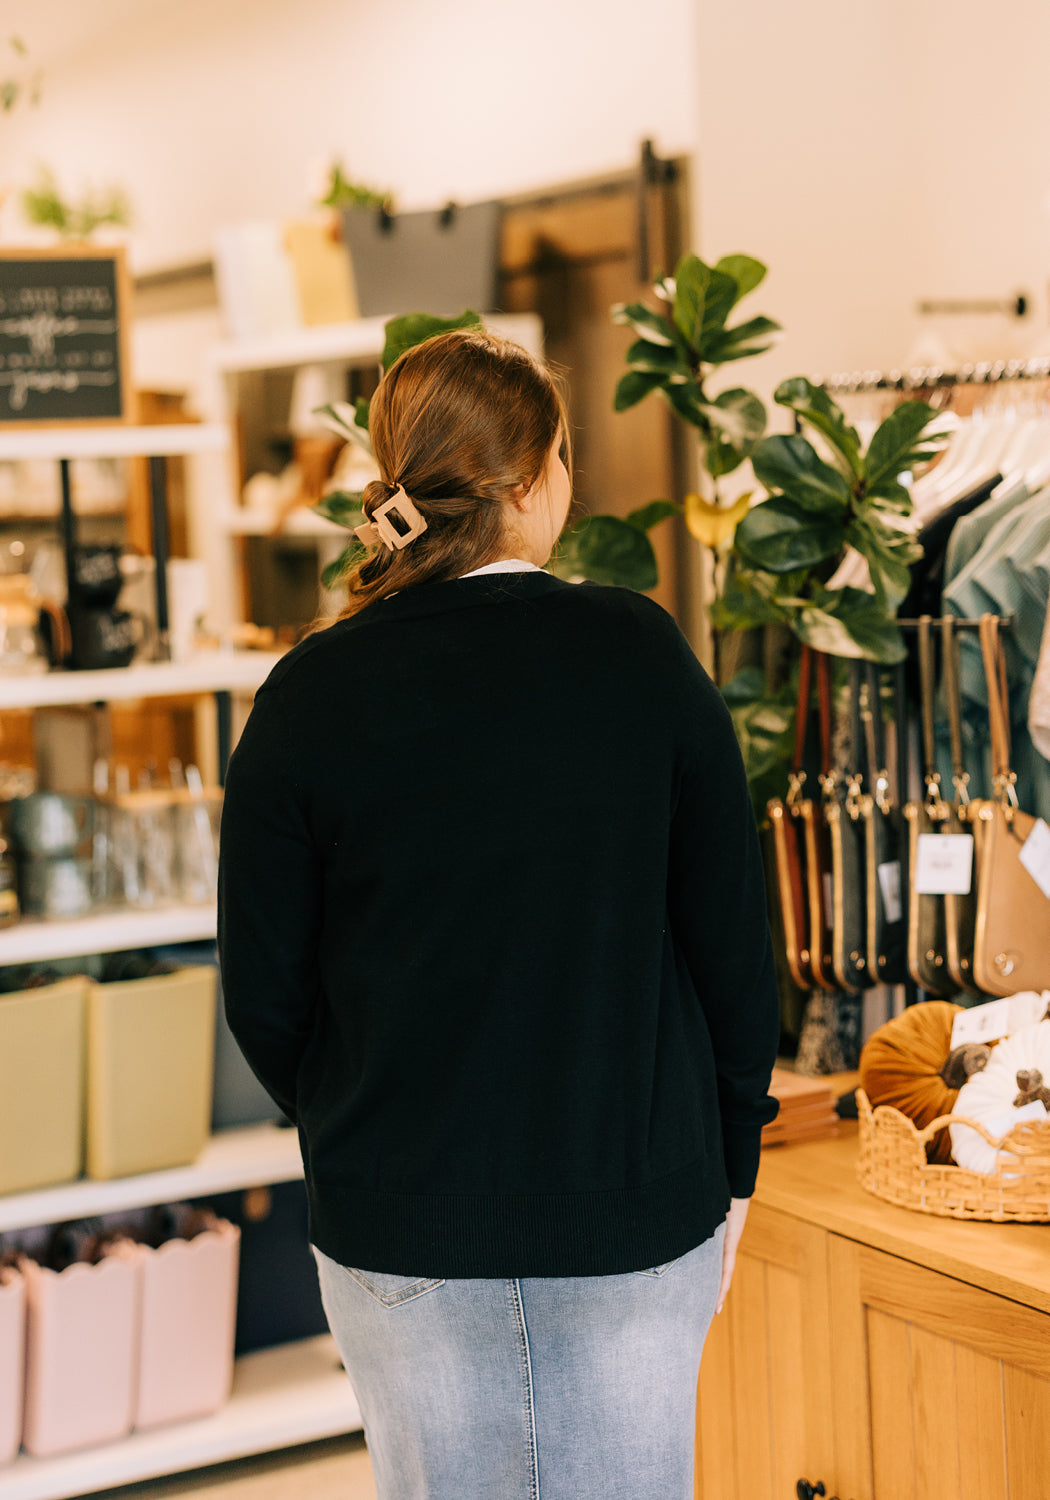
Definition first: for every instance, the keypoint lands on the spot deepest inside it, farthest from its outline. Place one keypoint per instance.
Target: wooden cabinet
(889, 1355)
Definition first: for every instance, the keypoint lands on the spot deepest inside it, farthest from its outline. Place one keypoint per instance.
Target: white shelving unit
(295, 1393)
(117, 440)
(34, 940)
(248, 1157)
(211, 672)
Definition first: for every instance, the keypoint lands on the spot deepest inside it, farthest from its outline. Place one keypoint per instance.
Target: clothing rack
(1005, 623)
(926, 377)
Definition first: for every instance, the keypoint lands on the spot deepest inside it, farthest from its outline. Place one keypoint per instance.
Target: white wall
(875, 154)
(215, 111)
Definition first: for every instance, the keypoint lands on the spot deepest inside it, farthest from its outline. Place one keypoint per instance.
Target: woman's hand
(735, 1221)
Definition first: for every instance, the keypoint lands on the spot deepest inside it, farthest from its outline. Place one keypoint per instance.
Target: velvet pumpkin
(901, 1065)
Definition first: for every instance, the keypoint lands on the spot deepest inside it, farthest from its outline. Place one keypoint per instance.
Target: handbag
(1011, 949)
(960, 908)
(845, 809)
(926, 926)
(800, 842)
(886, 843)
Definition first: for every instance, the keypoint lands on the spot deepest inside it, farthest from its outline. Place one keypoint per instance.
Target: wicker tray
(893, 1166)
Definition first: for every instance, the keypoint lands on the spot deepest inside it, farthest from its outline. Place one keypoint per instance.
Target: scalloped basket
(893, 1166)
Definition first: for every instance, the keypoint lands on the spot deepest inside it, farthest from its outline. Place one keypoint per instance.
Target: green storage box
(42, 1085)
(150, 1057)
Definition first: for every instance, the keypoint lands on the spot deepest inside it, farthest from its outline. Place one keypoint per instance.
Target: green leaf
(749, 599)
(345, 421)
(415, 328)
(341, 506)
(343, 564)
(648, 516)
(634, 387)
(745, 270)
(19, 46)
(889, 554)
(813, 404)
(738, 420)
(687, 402)
(605, 549)
(779, 536)
(896, 444)
(690, 295)
(647, 324)
(742, 341)
(849, 622)
(748, 685)
(661, 359)
(890, 496)
(792, 464)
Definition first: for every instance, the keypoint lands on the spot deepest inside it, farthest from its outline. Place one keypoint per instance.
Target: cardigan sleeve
(269, 904)
(717, 903)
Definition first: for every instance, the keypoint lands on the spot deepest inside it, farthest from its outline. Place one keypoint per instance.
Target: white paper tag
(999, 1018)
(890, 881)
(1003, 1124)
(829, 901)
(1035, 855)
(944, 864)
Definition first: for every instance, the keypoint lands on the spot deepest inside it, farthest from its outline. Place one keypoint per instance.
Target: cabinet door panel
(959, 1381)
(1026, 1403)
(893, 1452)
(764, 1416)
(982, 1439)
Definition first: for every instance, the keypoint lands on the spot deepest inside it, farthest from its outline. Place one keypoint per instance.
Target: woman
(493, 934)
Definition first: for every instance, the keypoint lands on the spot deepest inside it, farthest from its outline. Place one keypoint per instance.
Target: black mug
(105, 637)
(97, 579)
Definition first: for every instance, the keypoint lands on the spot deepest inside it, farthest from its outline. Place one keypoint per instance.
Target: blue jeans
(544, 1388)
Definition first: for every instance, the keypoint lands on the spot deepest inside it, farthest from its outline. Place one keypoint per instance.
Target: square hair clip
(381, 529)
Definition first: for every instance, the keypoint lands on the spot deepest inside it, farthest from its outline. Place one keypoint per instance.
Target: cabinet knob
(806, 1491)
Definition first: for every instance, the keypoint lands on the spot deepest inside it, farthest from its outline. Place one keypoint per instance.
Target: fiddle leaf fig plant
(677, 351)
(603, 549)
(787, 547)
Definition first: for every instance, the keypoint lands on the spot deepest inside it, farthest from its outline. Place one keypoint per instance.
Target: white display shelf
(34, 939)
(357, 342)
(251, 1156)
(248, 522)
(296, 1393)
(114, 441)
(211, 672)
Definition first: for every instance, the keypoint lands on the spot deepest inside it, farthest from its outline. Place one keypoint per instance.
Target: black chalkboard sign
(63, 336)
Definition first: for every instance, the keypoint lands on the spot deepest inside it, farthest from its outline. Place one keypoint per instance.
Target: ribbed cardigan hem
(468, 1235)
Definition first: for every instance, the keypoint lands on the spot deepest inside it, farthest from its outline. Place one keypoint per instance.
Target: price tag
(1035, 855)
(890, 883)
(944, 865)
(999, 1018)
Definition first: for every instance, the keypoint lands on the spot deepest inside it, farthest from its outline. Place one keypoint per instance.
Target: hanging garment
(1039, 699)
(927, 575)
(970, 531)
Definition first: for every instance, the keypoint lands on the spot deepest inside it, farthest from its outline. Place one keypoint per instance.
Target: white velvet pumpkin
(988, 1097)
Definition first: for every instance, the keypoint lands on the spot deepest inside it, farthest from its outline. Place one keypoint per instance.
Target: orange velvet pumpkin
(901, 1064)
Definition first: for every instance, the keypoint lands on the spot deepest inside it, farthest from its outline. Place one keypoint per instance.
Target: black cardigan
(493, 932)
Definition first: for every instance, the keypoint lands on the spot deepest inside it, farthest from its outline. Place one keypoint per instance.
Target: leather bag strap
(950, 666)
(998, 707)
(824, 707)
(927, 688)
(805, 669)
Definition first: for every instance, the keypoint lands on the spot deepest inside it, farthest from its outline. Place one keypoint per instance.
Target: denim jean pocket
(392, 1290)
(659, 1270)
